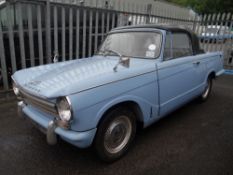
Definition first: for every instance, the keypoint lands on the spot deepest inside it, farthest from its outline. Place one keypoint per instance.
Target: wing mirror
(124, 61)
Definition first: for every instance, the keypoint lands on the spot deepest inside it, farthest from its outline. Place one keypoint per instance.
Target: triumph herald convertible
(138, 75)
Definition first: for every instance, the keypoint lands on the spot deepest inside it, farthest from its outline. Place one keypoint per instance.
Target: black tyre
(206, 93)
(115, 134)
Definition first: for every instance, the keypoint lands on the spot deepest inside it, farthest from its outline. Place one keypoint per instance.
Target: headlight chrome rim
(63, 112)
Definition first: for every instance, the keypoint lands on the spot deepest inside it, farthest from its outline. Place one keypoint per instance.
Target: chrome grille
(39, 103)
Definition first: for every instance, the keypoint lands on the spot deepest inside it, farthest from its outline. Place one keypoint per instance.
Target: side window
(181, 45)
(167, 54)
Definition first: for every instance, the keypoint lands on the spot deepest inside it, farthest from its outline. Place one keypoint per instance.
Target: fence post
(11, 40)
(211, 23)
(39, 31)
(149, 10)
(70, 33)
(222, 22)
(202, 28)
(84, 33)
(195, 23)
(55, 31)
(207, 23)
(217, 21)
(96, 29)
(21, 36)
(77, 32)
(3, 61)
(90, 34)
(63, 35)
(48, 32)
(228, 15)
(30, 34)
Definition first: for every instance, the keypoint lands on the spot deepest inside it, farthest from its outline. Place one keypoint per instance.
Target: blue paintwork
(156, 86)
(80, 139)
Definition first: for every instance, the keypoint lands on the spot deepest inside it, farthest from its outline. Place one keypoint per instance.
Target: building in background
(155, 7)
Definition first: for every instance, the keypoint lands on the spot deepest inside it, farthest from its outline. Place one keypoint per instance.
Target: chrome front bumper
(20, 105)
(48, 125)
(51, 136)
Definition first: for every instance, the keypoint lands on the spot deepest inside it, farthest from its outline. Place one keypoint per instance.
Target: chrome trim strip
(39, 103)
(26, 95)
(71, 110)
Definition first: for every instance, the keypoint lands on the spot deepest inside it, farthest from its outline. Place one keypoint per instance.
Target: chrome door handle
(197, 63)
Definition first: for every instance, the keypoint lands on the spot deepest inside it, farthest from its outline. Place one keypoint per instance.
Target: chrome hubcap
(207, 89)
(117, 134)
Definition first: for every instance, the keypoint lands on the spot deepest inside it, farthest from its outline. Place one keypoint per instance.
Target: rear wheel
(206, 93)
(115, 134)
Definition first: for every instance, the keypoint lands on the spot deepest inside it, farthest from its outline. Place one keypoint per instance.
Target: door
(179, 79)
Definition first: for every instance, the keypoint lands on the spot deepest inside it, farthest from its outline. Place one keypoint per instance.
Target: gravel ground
(196, 139)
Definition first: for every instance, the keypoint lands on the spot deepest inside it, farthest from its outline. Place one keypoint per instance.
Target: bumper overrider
(53, 127)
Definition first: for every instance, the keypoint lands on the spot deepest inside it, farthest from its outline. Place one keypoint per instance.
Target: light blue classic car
(139, 75)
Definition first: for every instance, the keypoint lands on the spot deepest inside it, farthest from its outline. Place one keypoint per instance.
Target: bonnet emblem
(31, 85)
(34, 83)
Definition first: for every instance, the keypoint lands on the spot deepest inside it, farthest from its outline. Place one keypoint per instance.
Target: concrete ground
(196, 139)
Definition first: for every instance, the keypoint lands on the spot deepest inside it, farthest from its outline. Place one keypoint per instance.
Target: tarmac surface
(194, 140)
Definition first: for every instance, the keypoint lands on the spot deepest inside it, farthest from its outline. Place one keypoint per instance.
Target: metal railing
(36, 31)
(215, 32)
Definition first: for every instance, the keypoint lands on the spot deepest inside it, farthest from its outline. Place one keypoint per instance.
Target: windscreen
(133, 44)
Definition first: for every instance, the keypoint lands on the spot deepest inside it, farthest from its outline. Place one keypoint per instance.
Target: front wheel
(115, 134)
(204, 96)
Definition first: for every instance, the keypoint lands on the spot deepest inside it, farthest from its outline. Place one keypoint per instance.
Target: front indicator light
(15, 89)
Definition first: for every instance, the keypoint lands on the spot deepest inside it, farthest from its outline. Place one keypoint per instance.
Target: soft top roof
(169, 28)
(156, 26)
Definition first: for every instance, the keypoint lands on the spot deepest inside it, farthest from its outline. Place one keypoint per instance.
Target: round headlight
(64, 109)
(15, 89)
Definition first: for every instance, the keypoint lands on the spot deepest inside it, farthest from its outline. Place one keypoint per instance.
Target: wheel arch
(133, 105)
(212, 75)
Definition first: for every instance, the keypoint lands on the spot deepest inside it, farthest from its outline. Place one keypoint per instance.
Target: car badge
(34, 83)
